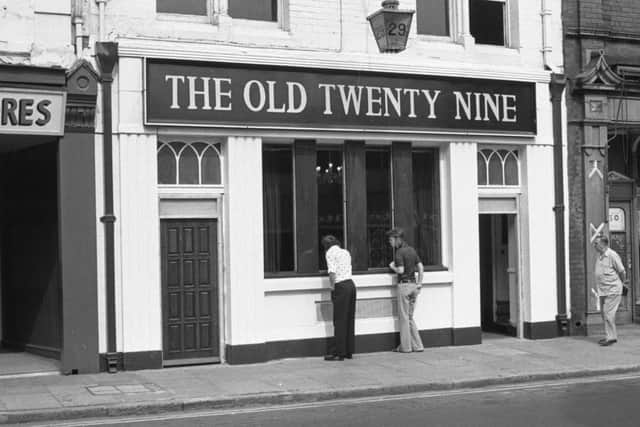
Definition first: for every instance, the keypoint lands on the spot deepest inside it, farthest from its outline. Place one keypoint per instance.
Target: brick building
(602, 63)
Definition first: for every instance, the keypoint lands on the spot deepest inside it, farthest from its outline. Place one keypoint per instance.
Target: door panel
(190, 289)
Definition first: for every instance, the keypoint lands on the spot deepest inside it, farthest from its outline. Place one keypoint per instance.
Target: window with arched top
(196, 163)
(498, 167)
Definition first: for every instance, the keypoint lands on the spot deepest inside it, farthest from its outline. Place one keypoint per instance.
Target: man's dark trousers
(344, 313)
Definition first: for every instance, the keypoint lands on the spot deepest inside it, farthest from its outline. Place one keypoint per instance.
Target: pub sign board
(32, 112)
(250, 96)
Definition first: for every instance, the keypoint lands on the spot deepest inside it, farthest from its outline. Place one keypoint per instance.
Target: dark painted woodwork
(78, 245)
(370, 343)
(134, 361)
(486, 271)
(190, 289)
(403, 211)
(356, 201)
(29, 76)
(31, 294)
(540, 330)
(307, 244)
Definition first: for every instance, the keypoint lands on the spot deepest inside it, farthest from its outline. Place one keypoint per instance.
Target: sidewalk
(499, 360)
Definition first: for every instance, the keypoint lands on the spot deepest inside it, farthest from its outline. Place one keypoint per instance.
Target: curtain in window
(277, 165)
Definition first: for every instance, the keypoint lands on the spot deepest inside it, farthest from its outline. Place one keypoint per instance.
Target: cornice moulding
(325, 60)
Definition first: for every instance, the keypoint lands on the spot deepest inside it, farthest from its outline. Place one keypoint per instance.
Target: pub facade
(242, 135)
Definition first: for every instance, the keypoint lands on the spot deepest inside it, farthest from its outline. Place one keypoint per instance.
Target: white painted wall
(291, 305)
(538, 235)
(464, 232)
(244, 268)
(36, 32)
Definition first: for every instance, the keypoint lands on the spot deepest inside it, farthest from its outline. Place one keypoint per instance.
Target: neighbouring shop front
(47, 214)
(238, 170)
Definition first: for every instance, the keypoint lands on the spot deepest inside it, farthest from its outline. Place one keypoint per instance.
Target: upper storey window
(433, 17)
(182, 7)
(487, 21)
(258, 10)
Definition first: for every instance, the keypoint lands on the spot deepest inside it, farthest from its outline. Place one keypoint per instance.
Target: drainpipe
(556, 87)
(106, 57)
(546, 34)
(101, 7)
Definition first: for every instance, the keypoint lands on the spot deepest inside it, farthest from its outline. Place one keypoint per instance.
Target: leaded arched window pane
(188, 170)
(511, 170)
(495, 170)
(211, 167)
(166, 165)
(482, 170)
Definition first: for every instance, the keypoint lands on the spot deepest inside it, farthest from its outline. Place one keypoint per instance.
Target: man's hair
(328, 241)
(603, 239)
(396, 232)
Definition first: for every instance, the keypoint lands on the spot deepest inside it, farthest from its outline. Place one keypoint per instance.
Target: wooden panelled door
(190, 289)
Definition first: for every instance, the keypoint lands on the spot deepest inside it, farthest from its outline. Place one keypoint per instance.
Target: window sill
(180, 17)
(498, 190)
(279, 284)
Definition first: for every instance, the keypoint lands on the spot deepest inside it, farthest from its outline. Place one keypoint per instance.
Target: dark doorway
(499, 299)
(29, 254)
(190, 291)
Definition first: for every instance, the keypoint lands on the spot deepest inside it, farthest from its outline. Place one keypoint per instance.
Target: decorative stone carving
(82, 92)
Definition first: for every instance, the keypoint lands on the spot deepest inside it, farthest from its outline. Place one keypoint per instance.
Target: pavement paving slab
(499, 360)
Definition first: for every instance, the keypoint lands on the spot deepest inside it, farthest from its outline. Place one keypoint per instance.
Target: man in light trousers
(405, 264)
(609, 274)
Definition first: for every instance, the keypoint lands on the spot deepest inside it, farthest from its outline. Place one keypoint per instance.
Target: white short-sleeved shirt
(608, 268)
(339, 263)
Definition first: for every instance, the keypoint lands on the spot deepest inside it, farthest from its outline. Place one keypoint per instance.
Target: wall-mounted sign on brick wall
(245, 96)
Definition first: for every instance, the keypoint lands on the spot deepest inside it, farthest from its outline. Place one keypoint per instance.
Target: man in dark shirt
(405, 264)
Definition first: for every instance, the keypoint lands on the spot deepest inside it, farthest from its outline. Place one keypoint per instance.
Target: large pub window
(277, 167)
(353, 191)
(426, 204)
(329, 178)
(378, 178)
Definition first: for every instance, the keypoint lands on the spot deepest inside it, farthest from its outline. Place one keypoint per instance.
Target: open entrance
(30, 285)
(499, 289)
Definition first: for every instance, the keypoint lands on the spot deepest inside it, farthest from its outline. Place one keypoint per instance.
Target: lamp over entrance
(391, 26)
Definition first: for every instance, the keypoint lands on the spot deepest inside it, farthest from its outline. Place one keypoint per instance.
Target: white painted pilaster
(244, 263)
(465, 240)
(538, 235)
(139, 295)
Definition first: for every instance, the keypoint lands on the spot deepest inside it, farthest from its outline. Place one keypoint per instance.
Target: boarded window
(378, 170)
(433, 17)
(259, 10)
(184, 7)
(487, 21)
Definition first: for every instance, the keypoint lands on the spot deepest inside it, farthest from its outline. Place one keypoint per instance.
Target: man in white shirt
(343, 296)
(610, 274)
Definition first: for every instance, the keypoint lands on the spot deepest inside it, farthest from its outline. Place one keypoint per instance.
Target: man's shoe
(348, 356)
(608, 343)
(397, 350)
(602, 341)
(333, 358)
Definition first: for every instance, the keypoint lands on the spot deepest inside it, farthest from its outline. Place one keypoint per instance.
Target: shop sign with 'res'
(28, 112)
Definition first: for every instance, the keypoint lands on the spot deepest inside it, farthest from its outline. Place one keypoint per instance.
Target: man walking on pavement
(609, 274)
(343, 296)
(405, 264)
